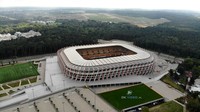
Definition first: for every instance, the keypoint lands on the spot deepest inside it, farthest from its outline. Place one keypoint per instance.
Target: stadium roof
(75, 58)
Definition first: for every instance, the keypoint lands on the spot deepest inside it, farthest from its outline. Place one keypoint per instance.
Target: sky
(191, 5)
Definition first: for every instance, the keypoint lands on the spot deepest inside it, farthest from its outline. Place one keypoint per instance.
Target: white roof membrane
(75, 58)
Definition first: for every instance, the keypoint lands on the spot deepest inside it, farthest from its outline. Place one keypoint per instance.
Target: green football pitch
(130, 96)
(17, 71)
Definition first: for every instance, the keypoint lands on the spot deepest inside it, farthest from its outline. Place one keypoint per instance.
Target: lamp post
(94, 97)
(51, 80)
(63, 83)
(63, 106)
(33, 92)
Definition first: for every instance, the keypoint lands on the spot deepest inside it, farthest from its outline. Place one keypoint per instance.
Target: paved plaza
(169, 93)
(55, 81)
(65, 101)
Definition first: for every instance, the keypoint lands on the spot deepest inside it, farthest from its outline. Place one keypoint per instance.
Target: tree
(145, 109)
(1, 63)
(171, 72)
(196, 71)
(73, 32)
(193, 105)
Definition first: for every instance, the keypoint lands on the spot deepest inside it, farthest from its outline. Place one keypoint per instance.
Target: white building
(104, 61)
(196, 86)
(8, 36)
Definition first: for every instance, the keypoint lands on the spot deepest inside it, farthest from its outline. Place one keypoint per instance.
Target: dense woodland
(193, 99)
(180, 37)
(73, 32)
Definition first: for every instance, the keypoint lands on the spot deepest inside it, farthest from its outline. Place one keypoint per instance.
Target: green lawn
(14, 84)
(24, 82)
(139, 94)
(139, 21)
(5, 86)
(17, 71)
(103, 17)
(33, 80)
(166, 79)
(3, 94)
(170, 106)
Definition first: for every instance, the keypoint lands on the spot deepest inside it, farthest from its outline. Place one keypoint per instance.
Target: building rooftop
(75, 57)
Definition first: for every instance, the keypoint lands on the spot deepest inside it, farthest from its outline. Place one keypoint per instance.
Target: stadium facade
(104, 61)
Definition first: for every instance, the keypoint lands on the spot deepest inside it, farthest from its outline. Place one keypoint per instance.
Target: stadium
(104, 61)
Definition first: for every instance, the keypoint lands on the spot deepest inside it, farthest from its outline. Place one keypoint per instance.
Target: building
(196, 86)
(104, 61)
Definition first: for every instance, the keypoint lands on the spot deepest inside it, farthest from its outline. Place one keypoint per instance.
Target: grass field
(139, 21)
(14, 84)
(3, 94)
(17, 71)
(166, 79)
(130, 96)
(170, 106)
(24, 82)
(32, 80)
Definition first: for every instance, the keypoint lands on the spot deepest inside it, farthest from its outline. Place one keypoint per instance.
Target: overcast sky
(193, 5)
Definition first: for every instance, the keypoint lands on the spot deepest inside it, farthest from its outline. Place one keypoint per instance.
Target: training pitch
(17, 71)
(130, 96)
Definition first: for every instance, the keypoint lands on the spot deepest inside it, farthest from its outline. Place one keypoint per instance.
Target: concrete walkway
(168, 92)
(184, 107)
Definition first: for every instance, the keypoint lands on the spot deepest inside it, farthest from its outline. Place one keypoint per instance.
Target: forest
(193, 65)
(178, 38)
